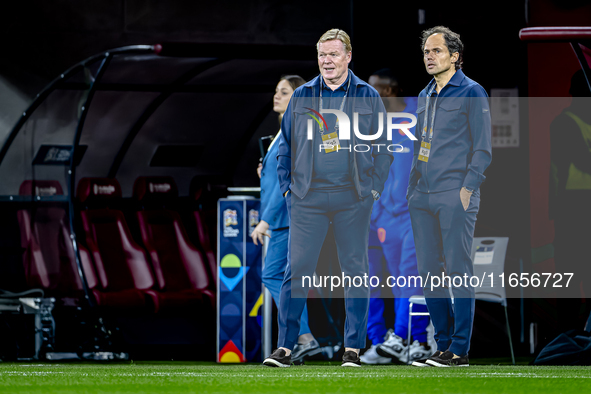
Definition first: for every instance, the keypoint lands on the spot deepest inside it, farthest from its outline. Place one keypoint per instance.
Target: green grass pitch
(186, 377)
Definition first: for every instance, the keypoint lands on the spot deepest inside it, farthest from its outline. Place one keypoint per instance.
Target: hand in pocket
(465, 198)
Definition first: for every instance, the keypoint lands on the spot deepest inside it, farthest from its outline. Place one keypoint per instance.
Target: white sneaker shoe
(417, 352)
(372, 357)
(392, 347)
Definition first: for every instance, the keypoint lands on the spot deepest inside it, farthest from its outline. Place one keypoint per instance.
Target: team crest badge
(253, 220)
(230, 218)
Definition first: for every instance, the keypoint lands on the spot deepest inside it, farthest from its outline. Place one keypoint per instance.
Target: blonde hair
(336, 34)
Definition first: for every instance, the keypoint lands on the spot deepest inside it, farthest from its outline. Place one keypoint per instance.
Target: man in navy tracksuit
(326, 186)
(451, 154)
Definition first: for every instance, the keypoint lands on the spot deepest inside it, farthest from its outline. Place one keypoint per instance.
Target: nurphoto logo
(344, 129)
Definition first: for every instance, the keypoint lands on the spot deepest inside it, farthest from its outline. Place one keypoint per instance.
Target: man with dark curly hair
(452, 151)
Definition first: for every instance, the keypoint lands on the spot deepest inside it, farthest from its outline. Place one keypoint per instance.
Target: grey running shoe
(302, 350)
(372, 357)
(393, 347)
(417, 352)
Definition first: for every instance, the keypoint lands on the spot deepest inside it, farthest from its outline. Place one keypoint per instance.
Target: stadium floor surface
(198, 377)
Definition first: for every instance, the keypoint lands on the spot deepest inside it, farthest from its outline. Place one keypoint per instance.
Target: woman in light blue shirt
(274, 217)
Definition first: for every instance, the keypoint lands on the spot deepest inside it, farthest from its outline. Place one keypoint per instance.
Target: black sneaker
(278, 359)
(351, 359)
(302, 350)
(423, 362)
(446, 359)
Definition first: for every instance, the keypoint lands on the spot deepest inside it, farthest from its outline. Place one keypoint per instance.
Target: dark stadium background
(40, 39)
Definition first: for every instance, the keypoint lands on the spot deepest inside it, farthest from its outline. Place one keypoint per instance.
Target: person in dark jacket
(330, 176)
(452, 151)
(570, 193)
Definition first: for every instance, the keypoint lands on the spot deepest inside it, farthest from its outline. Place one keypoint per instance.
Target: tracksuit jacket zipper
(355, 169)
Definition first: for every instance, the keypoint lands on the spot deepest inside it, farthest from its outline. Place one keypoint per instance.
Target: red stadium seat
(49, 259)
(181, 273)
(205, 242)
(124, 274)
(205, 217)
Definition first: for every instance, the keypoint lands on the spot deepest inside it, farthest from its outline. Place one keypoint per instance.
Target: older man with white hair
(329, 179)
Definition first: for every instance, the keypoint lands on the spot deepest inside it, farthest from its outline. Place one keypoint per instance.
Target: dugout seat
(181, 273)
(123, 271)
(49, 259)
(204, 216)
(205, 242)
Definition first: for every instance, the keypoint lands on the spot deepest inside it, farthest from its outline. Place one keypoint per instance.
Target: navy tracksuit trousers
(274, 271)
(310, 218)
(443, 233)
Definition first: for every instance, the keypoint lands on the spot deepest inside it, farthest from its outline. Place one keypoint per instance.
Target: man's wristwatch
(376, 195)
(468, 190)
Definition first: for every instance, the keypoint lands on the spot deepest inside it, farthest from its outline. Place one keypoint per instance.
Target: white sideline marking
(39, 365)
(301, 375)
(20, 373)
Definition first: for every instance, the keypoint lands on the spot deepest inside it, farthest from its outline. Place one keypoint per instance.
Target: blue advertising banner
(254, 288)
(239, 290)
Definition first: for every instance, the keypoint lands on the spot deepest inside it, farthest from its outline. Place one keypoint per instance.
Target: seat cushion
(130, 298)
(182, 299)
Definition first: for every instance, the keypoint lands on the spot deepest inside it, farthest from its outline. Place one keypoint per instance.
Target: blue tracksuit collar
(343, 85)
(273, 147)
(355, 81)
